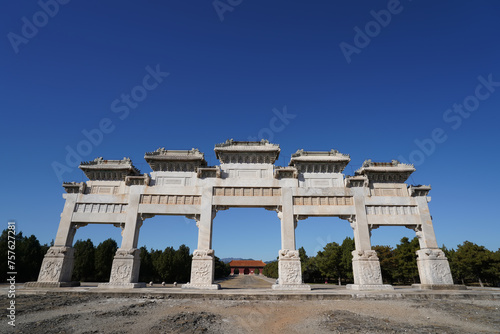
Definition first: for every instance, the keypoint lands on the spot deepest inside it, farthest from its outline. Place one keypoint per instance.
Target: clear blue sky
(368, 78)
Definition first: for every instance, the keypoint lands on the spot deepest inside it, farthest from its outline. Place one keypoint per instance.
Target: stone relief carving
(50, 271)
(431, 254)
(121, 273)
(288, 254)
(55, 251)
(364, 255)
(203, 253)
(127, 253)
(441, 273)
(291, 273)
(370, 273)
(201, 272)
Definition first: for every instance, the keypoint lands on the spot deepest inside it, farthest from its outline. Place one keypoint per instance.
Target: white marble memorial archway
(181, 183)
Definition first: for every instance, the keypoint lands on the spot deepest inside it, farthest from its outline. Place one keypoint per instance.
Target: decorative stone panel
(171, 199)
(433, 268)
(241, 191)
(57, 268)
(101, 207)
(104, 190)
(125, 270)
(323, 200)
(202, 270)
(290, 272)
(389, 192)
(366, 270)
(391, 210)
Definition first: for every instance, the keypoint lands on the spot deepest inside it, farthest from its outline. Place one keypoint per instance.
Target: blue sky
(378, 80)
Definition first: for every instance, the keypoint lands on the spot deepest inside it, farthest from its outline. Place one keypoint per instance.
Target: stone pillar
(365, 262)
(433, 267)
(57, 265)
(203, 264)
(127, 261)
(289, 268)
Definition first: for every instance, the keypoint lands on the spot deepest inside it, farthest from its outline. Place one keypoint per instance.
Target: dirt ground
(97, 314)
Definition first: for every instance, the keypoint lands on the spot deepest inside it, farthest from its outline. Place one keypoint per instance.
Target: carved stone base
(125, 268)
(57, 265)
(202, 271)
(50, 284)
(121, 285)
(433, 267)
(365, 287)
(289, 271)
(439, 286)
(366, 270)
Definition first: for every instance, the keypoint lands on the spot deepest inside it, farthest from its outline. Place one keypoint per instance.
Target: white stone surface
(183, 184)
(433, 267)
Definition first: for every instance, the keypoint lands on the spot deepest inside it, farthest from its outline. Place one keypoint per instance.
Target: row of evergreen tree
(469, 263)
(93, 263)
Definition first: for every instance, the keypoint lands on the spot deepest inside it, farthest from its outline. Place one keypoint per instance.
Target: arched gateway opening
(182, 184)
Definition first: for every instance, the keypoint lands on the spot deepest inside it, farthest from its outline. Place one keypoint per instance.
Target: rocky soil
(98, 314)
